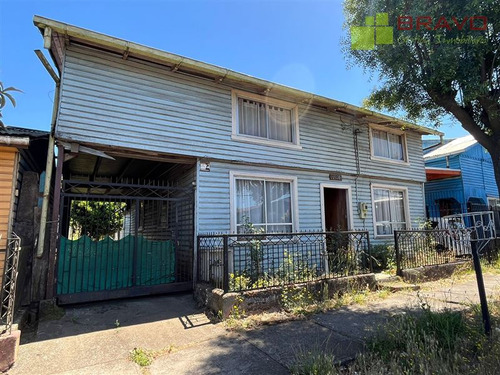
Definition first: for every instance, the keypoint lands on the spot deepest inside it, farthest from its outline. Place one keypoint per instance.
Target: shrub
(383, 257)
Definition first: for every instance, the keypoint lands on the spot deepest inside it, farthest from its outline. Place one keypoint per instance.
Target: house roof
(19, 137)
(57, 34)
(14, 131)
(452, 148)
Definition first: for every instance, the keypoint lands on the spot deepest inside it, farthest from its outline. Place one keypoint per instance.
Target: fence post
(369, 251)
(225, 277)
(398, 257)
(480, 286)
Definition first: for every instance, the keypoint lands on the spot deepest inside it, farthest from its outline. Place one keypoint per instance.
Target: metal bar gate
(123, 240)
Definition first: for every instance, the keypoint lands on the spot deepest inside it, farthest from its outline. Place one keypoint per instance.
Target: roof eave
(137, 50)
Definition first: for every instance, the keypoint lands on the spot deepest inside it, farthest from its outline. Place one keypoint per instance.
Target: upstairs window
(264, 119)
(388, 145)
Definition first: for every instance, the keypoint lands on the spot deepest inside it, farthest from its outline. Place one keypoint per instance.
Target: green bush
(383, 257)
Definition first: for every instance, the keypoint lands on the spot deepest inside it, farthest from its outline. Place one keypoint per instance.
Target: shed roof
(56, 34)
(15, 131)
(452, 148)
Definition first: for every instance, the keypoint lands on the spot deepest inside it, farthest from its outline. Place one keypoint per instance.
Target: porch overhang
(433, 174)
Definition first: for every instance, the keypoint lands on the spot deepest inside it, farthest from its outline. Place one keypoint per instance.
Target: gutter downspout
(50, 160)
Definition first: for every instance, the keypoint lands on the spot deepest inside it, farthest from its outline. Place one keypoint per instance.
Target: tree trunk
(495, 157)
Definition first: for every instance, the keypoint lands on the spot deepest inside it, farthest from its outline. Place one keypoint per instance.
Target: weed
(142, 357)
(314, 362)
(117, 323)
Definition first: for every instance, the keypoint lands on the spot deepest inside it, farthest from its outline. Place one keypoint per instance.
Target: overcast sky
(296, 43)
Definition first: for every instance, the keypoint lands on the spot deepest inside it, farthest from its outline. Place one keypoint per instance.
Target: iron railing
(238, 262)
(8, 294)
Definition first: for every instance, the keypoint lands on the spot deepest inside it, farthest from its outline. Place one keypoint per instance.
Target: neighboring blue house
(460, 178)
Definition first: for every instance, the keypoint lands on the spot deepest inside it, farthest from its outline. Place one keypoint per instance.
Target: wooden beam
(97, 165)
(56, 224)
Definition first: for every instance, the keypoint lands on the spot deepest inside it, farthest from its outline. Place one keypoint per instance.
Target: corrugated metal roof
(14, 131)
(454, 147)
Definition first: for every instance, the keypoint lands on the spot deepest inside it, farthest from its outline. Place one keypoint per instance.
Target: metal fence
(8, 294)
(238, 262)
(418, 248)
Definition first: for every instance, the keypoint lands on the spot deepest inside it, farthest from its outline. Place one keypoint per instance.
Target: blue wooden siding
(214, 198)
(135, 104)
(477, 173)
(106, 100)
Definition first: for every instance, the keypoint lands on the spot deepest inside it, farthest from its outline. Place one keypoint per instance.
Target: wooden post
(55, 227)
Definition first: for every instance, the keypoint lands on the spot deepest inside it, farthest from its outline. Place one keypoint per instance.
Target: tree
(444, 60)
(97, 219)
(4, 95)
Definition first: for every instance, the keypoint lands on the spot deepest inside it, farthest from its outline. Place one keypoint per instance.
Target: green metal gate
(123, 240)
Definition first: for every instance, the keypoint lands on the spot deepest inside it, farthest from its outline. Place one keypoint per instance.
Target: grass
(424, 342)
(145, 357)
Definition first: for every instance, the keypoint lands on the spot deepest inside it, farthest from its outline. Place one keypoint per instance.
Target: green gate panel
(85, 265)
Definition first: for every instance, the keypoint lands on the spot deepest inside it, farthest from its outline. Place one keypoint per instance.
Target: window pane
(396, 146)
(280, 123)
(379, 141)
(382, 207)
(389, 210)
(255, 229)
(252, 118)
(397, 206)
(279, 203)
(250, 202)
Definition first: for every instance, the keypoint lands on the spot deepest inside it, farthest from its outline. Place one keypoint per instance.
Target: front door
(336, 212)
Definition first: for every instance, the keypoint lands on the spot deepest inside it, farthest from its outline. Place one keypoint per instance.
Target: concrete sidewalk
(97, 338)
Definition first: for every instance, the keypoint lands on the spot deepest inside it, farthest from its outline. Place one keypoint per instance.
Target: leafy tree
(97, 219)
(4, 95)
(443, 68)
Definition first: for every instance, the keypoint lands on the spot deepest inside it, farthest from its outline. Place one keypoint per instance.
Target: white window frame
(495, 200)
(406, 206)
(391, 131)
(333, 185)
(235, 175)
(237, 94)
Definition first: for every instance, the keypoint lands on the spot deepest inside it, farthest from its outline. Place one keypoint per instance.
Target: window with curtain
(267, 205)
(389, 210)
(388, 145)
(265, 121)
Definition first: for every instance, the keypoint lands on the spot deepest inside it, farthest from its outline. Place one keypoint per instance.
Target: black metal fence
(8, 291)
(416, 248)
(238, 262)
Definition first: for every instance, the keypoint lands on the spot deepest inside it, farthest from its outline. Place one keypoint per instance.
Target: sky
(295, 43)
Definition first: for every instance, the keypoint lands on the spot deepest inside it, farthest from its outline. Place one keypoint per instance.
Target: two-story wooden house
(179, 147)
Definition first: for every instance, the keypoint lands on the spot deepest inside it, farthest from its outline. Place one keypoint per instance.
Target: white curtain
(379, 142)
(396, 146)
(389, 210)
(279, 206)
(249, 203)
(252, 117)
(280, 123)
(256, 198)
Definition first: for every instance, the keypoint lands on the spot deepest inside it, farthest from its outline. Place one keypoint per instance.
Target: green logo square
(369, 21)
(384, 35)
(362, 37)
(382, 19)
